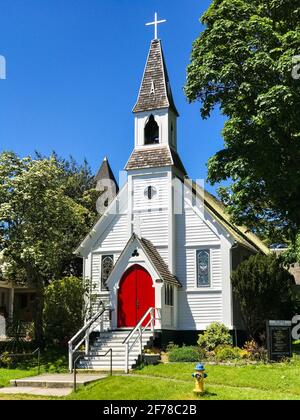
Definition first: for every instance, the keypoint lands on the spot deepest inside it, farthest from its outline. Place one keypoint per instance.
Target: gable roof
(155, 91)
(154, 258)
(155, 157)
(241, 234)
(158, 262)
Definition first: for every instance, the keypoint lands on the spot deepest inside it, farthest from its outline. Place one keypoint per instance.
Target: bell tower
(155, 111)
(154, 163)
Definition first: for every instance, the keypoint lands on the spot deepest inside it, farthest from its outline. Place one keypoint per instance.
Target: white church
(159, 260)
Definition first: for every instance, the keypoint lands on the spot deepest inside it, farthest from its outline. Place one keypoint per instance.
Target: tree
(242, 62)
(64, 309)
(263, 289)
(40, 224)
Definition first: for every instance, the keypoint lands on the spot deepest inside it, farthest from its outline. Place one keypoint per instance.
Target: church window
(203, 268)
(151, 131)
(169, 295)
(107, 264)
(150, 192)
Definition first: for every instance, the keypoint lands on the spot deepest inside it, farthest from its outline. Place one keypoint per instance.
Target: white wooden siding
(96, 272)
(140, 183)
(154, 227)
(196, 230)
(196, 310)
(115, 236)
(187, 269)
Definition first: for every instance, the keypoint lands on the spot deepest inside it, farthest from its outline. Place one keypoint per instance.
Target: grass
(144, 388)
(7, 374)
(174, 382)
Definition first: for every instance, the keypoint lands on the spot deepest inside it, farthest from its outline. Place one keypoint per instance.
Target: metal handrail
(86, 330)
(140, 329)
(88, 357)
(36, 351)
(150, 310)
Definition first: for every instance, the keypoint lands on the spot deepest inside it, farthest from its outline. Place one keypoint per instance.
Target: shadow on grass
(206, 394)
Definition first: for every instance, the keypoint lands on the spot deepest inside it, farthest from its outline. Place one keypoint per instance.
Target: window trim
(210, 285)
(105, 289)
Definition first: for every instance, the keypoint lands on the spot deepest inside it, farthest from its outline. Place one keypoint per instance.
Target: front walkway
(56, 385)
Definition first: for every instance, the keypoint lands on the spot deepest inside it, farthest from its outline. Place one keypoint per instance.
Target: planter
(151, 359)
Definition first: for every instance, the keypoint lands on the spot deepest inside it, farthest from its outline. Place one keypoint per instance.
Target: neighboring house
(145, 252)
(16, 300)
(295, 270)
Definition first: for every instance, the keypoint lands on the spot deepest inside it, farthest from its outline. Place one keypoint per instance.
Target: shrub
(171, 346)
(224, 353)
(63, 311)
(5, 360)
(255, 351)
(185, 354)
(216, 334)
(266, 279)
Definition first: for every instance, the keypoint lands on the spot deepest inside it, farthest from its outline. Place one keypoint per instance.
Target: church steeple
(155, 92)
(155, 116)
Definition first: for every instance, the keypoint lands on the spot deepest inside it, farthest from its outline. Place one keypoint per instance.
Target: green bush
(224, 353)
(215, 335)
(5, 360)
(63, 311)
(185, 354)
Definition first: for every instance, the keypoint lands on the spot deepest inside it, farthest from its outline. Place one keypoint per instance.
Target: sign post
(279, 339)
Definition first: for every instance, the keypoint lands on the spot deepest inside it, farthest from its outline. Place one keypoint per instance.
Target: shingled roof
(159, 264)
(105, 172)
(155, 91)
(154, 258)
(155, 157)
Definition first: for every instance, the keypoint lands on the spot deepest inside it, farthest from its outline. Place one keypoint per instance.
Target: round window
(150, 192)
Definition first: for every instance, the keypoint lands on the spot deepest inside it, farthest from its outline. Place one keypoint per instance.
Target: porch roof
(155, 259)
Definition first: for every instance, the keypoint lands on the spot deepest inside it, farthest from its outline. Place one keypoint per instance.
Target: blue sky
(73, 73)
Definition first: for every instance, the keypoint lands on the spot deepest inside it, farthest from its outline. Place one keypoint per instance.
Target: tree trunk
(38, 313)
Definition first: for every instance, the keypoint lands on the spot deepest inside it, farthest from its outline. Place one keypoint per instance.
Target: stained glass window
(203, 268)
(106, 268)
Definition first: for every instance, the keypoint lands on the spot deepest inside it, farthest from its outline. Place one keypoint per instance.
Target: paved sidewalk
(42, 392)
(50, 385)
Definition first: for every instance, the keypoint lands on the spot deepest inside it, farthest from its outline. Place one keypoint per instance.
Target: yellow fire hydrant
(199, 376)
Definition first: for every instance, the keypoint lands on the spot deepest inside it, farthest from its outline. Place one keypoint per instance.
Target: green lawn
(174, 381)
(276, 377)
(6, 375)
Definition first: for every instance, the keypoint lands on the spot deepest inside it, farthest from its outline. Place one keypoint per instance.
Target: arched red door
(135, 297)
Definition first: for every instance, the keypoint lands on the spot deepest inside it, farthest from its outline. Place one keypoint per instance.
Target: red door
(136, 296)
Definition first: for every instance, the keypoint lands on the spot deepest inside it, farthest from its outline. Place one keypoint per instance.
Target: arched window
(151, 131)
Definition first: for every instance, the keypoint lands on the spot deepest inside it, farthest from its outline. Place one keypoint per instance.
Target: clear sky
(74, 69)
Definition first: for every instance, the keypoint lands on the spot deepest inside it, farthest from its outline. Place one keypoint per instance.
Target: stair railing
(84, 335)
(137, 334)
(89, 357)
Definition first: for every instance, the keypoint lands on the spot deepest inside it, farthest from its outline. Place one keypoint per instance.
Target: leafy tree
(63, 311)
(39, 223)
(242, 63)
(263, 289)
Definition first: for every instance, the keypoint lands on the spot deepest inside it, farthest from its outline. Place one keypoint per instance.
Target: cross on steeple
(156, 23)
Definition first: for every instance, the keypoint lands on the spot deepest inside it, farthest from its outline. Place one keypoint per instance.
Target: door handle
(137, 304)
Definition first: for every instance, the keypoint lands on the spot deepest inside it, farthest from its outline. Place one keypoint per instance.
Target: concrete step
(116, 346)
(55, 381)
